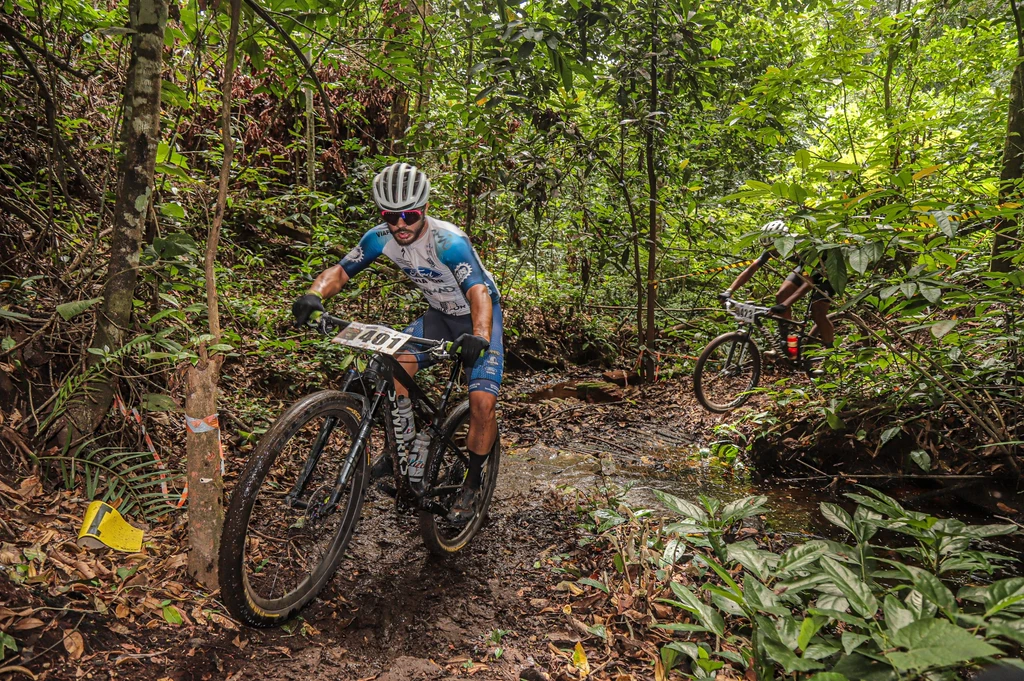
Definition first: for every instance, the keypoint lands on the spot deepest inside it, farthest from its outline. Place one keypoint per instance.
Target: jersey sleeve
(369, 249)
(457, 253)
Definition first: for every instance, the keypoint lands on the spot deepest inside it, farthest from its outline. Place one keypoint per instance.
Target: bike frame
(747, 328)
(383, 370)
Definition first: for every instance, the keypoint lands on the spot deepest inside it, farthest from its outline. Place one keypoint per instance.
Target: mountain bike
(296, 504)
(729, 368)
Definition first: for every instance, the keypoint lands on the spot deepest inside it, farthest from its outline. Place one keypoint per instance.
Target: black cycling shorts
(822, 288)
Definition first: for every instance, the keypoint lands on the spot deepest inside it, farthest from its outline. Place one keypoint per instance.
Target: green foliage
(825, 605)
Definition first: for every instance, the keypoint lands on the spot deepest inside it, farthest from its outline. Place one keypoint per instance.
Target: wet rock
(621, 377)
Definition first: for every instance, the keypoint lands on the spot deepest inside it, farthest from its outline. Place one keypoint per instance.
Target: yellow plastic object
(104, 526)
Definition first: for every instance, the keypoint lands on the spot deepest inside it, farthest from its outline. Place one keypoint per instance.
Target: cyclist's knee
(482, 406)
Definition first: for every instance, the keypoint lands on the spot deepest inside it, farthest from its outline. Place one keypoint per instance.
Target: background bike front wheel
(446, 470)
(281, 542)
(726, 372)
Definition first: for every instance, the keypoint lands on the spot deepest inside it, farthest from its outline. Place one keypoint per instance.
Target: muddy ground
(494, 611)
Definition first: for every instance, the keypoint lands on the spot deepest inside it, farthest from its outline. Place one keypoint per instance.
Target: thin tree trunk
(140, 137)
(652, 228)
(203, 443)
(1012, 172)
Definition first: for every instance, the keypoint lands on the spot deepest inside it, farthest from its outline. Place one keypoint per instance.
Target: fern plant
(132, 482)
(73, 385)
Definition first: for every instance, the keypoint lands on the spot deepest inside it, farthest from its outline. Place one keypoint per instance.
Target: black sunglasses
(392, 217)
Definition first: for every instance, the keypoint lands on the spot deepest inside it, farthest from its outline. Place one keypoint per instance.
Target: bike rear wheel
(278, 552)
(445, 470)
(726, 372)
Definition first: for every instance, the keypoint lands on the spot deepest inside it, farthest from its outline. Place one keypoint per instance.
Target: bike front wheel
(726, 372)
(445, 470)
(282, 541)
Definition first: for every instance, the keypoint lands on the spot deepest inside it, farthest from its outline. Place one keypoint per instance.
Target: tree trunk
(141, 135)
(652, 217)
(203, 443)
(1012, 172)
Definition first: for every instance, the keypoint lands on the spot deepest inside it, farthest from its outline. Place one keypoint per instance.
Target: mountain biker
(464, 303)
(796, 285)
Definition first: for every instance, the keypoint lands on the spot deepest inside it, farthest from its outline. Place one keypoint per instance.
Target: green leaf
(837, 516)
(594, 583)
(852, 641)
(835, 269)
(69, 311)
(889, 433)
(749, 556)
(936, 643)
(922, 459)
(7, 642)
(860, 260)
(681, 506)
(785, 245)
(808, 628)
(788, 659)
(743, 508)
(691, 650)
(801, 556)
(803, 159)
(828, 676)
(931, 293)
(157, 402)
(1003, 594)
(172, 210)
(707, 616)
(853, 587)
(940, 329)
(716, 46)
(171, 614)
(931, 588)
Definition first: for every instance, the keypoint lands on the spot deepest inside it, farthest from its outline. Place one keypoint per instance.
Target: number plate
(745, 313)
(372, 337)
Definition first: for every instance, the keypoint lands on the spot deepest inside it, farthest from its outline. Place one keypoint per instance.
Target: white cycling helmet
(772, 231)
(401, 186)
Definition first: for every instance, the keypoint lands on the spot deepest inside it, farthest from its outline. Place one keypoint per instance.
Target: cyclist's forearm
(480, 309)
(745, 276)
(329, 282)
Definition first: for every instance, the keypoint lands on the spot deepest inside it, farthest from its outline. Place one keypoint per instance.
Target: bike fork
(292, 498)
(356, 450)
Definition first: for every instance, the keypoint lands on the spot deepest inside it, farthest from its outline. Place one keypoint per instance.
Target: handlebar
(762, 313)
(326, 323)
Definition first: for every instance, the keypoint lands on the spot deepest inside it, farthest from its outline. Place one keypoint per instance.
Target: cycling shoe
(464, 508)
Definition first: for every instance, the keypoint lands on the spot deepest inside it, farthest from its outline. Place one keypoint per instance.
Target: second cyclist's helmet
(772, 231)
(401, 186)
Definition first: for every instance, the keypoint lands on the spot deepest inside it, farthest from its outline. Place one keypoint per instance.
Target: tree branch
(12, 33)
(265, 15)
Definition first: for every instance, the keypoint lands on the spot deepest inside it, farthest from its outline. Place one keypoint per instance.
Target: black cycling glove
(724, 296)
(779, 309)
(472, 349)
(305, 306)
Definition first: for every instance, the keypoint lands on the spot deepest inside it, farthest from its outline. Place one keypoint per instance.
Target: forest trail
(508, 607)
(409, 616)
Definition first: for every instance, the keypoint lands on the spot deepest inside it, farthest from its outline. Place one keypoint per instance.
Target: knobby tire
(242, 576)
(443, 538)
(720, 392)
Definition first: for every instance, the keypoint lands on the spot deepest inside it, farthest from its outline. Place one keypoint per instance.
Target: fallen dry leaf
(74, 644)
(28, 623)
(240, 642)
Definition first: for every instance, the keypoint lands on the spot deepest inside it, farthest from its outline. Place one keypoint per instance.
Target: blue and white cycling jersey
(441, 262)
